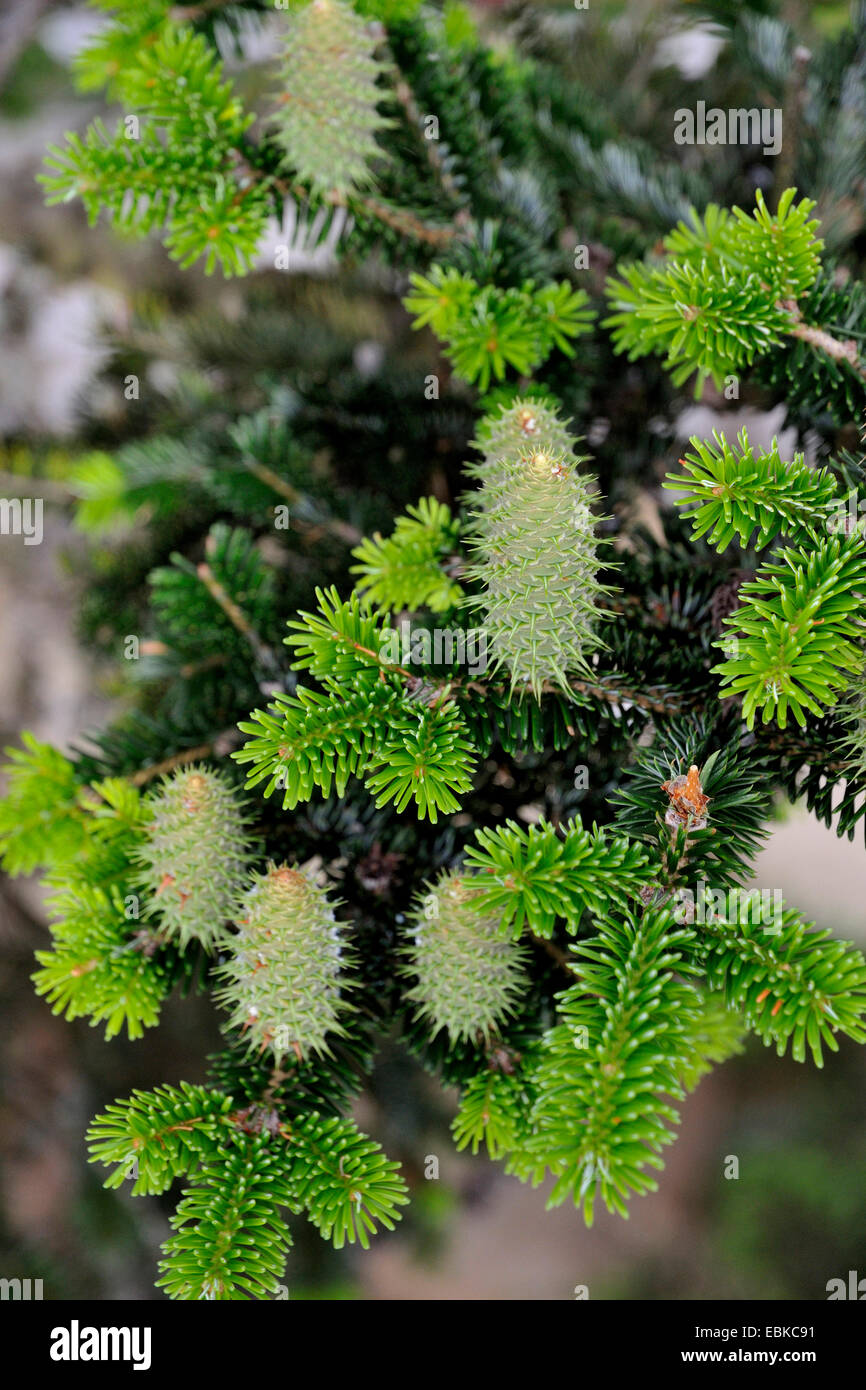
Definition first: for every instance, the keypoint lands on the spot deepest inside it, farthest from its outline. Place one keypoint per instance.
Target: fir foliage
(615, 1060)
(486, 330)
(96, 968)
(410, 568)
(533, 877)
(730, 290)
(800, 624)
(791, 982)
(231, 1237)
(364, 724)
(177, 167)
(755, 495)
(39, 824)
(494, 1109)
(230, 1241)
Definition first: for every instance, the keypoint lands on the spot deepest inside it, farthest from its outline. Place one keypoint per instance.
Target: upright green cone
(194, 857)
(283, 983)
(503, 438)
(469, 977)
(533, 534)
(328, 117)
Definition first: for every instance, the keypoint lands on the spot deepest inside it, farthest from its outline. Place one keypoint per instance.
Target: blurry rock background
(794, 1218)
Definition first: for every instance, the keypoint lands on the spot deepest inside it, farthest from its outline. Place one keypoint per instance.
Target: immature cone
(504, 438)
(532, 531)
(282, 982)
(327, 117)
(194, 855)
(469, 976)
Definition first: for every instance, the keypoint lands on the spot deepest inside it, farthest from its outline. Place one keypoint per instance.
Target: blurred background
(78, 310)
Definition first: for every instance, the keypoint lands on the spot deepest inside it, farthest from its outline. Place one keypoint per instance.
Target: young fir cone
(194, 857)
(469, 976)
(505, 437)
(328, 118)
(532, 531)
(282, 983)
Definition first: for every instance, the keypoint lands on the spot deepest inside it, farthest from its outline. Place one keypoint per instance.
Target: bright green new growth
(738, 490)
(487, 329)
(194, 856)
(282, 981)
(364, 724)
(797, 632)
(38, 820)
(102, 965)
(469, 976)
(494, 1111)
(616, 1060)
(726, 294)
(789, 980)
(95, 968)
(408, 569)
(532, 533)
(795, 639)
(156, 1136)
(534, 876)
(176, 167)
(328, 118)
(230, 1240)
(246, 1166)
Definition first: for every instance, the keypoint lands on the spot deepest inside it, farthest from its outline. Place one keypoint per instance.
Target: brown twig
(236, 616)
(844, 350)
(555, 952)
(400, 219)
(342, 529)
(219, 745)
(657, 701)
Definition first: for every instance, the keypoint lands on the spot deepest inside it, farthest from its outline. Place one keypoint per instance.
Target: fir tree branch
(343, 530)
(264, 655)
(819, 338)
(401, 220)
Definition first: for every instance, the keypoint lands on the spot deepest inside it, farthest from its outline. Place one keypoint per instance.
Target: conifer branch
(236, 616)
(162, 872)
(343, 530)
